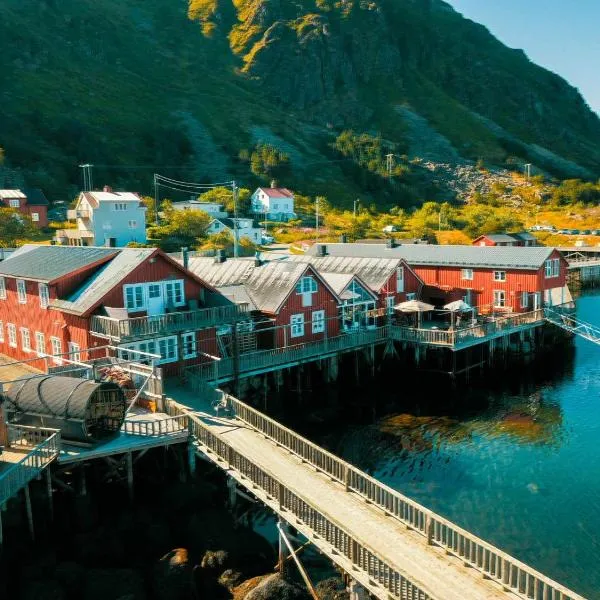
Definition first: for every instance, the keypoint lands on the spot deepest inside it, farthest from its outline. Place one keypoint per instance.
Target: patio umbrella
(415, 306)
(458, 306)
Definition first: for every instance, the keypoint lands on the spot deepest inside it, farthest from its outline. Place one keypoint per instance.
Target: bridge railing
(360, 556)
(158, 427)
(521, 579)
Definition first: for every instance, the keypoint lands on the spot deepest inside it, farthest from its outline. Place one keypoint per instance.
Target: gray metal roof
(509, 257)
(500, 237)
(47, 263)
(234, 271)
(238, 294)
(106, 278)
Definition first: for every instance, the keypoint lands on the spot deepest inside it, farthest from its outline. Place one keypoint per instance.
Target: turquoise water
(519, 466)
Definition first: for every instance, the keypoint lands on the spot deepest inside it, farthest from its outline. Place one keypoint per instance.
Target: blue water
(523, 472)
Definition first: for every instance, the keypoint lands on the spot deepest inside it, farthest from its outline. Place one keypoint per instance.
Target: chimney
(343, 239)
(107, 188)
(391, 243)
(220, 257)
(185, 258)
(321, 250)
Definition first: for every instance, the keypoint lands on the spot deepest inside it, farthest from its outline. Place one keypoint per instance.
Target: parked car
(266, 239)
(575, 232)
(564, 231)
(390, 229)
(595, 232)
(586, 232)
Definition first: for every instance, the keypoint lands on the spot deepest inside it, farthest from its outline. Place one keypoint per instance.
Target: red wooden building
(30, 202)
(521, 239)
(57, 301)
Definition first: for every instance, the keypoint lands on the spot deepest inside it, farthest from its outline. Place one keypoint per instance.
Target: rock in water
(274, 587)
(173, 576)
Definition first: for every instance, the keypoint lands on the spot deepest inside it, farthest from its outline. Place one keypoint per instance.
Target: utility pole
(88, 184)
(155, 200)
(235, 222)
(355, 203)
(389, 158)
(317, 218)
(528, 171)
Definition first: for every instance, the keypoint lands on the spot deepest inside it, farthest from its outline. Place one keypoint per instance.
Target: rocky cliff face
(189, 85)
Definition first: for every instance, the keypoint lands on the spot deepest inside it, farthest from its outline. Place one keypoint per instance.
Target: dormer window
(306, 287)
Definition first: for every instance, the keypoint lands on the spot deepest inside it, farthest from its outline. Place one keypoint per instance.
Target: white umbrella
(458, 306)
(414, 306)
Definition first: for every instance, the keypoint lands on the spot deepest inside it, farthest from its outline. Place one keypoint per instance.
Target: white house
(246, 228)
(105, 218)
(276, 203)
(214, 209)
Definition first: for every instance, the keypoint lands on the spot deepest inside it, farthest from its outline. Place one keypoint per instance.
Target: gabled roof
(340, 282)
(524, 236)
(11, 194)
(94, 198)
(509, 257)
(498, 237)
(35, 197)
(230, 223)
(234, 271)
(49, 263)
(277, 192)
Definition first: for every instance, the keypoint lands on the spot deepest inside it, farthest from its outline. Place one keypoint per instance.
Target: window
(44, 295)
(411, 296)
(524, 299)
(174, 293)
(132, 224)
(14, 203)
(400, 279)
(167, 348)
(25, 340)
(35, 217)
(189, 345)
(120, 206)
(499, 298)
(134, 297)
(390, 302)
(74, 352)
(40, 343)
(154, 290)
(56, 344)
(2, 288)
(12, 335)
(318, 321)
(21, 291)
(275, 206)
(1, 332)
(307, 286)
(499, 275)
(467, 274)
(556, 267)
(552, 267)
(297, 326)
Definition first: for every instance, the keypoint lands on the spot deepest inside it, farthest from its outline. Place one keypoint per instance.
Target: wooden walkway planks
(427, 567)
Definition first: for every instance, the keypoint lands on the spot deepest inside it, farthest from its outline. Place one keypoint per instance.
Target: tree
(224, 196)
(15, 227)
(182, 228)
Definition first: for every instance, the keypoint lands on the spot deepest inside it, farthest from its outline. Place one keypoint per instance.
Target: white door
(536, 300)
(156, 301)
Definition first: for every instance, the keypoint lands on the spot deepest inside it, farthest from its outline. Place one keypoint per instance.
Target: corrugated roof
(47, 263)
(277, 192)
(238, 294)
(234, 271)
(509, 257)
(11, 194)
(500, 237)
(104, 280)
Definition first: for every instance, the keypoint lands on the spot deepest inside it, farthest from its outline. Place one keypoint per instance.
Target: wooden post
(130, 476)
(82, 481)
(191, 450)
(29, 511)
(49, 492)
(232, 489)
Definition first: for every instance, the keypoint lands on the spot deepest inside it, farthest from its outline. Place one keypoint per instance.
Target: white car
(266, 239)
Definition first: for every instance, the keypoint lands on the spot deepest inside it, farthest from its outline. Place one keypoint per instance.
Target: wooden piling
(29, 511)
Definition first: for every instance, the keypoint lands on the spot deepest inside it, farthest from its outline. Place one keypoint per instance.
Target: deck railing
(165, 324)
(43, 446)
(266, 359)
(493, 563)
(158, 427)
(463, 336)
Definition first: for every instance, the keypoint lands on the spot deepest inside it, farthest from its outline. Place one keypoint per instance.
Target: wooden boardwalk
(389, 544)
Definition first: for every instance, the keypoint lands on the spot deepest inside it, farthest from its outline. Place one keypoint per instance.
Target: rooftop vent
(321, 250)
(391, 243)
(220, 256)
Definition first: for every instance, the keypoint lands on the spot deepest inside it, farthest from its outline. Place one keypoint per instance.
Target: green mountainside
(206, 90)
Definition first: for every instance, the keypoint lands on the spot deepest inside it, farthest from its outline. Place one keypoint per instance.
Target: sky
(561, 35)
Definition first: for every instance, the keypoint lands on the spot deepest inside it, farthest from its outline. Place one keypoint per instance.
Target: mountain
(217, 89)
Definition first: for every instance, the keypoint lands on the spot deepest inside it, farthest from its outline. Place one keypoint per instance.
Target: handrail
(166, 323)
(18, 475)
(521, 579)
(173, 425)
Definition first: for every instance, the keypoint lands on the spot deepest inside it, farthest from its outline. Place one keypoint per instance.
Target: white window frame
(74, 350)
(40, 343)
(25, 339)
(552, 268)
(11, 329)
(35, 217)
(390, 303)
(154, 285)
(499, 275)
(22, 291)
(1, 332)
(14, 203)
(2, 288)
(56, 346)
(497, 295)
(411, 296)
(466, 274)
(297, 325)
(400, 279)
(556, 265)
(44, 293)
(169, 344)
(524, 299)
(139, 301)
(318, 321)
(306, 287)
(188, 345)
(170, 293)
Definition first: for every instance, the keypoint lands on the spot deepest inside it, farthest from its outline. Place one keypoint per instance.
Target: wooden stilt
(82, 481)
(191, 450)
(49, 493)
(130, 475)
(29, 511)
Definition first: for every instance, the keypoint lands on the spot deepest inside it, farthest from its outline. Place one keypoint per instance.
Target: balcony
(135, 328)
(78, 214)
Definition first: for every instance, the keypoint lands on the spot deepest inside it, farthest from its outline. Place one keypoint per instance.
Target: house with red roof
(273, 203)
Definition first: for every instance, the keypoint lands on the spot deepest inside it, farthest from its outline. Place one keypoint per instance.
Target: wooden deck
(391, 545)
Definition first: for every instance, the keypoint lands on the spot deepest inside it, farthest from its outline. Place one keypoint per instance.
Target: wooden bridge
(388, 544)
